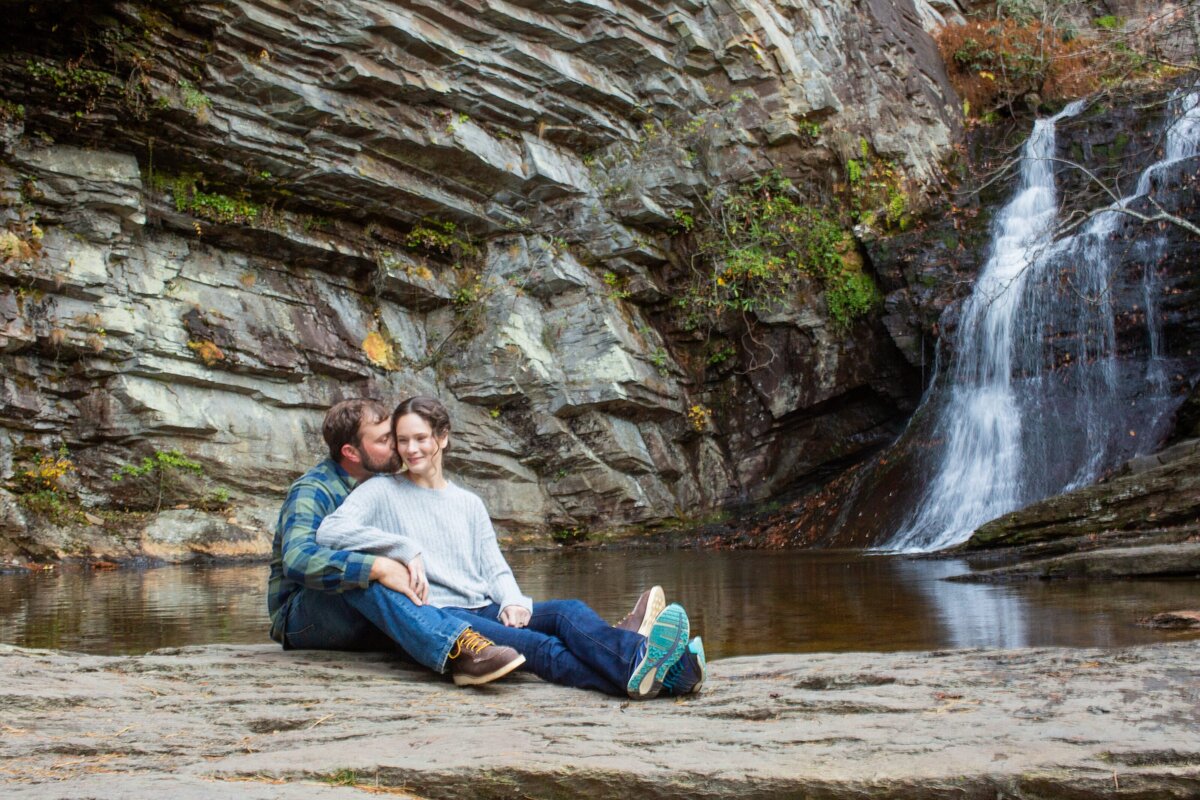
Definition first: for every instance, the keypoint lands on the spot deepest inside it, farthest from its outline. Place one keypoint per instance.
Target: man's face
(376, 451)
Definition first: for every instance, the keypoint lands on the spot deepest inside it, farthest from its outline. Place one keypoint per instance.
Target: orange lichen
(380, 351)
(207, 351)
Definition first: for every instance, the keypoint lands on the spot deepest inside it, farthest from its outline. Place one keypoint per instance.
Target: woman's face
(420, 450)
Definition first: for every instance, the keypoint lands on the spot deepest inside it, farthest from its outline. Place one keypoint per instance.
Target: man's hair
(429, 409)
(343, 423)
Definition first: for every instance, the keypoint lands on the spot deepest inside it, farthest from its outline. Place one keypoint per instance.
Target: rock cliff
(221, 217)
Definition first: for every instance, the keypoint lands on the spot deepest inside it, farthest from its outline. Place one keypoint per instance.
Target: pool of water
(743, 603)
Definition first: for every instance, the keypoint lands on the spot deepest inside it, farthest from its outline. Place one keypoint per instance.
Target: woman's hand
(395, 576)
(416, 573)
(515, 616)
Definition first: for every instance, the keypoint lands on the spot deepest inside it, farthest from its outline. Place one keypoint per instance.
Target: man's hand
(515, 616)
(395, 576)
(416, 573)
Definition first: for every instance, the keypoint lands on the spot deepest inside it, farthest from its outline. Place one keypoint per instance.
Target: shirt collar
(341, 473)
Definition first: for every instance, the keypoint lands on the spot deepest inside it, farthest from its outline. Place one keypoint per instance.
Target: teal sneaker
(689, 672)
(665, 645)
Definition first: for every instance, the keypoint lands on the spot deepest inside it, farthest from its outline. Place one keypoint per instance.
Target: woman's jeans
(566, 642)
(375, 618)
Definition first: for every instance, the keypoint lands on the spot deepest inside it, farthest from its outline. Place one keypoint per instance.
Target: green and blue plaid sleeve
(306, 562)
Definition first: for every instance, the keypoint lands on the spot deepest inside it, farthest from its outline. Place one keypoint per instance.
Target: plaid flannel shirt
(297, 561)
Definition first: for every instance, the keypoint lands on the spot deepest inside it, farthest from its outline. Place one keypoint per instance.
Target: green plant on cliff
(757, 248)
(441, 237)
(195, 101)
(40, 484)
(11, 112)
(617, 285)
(167, 476)
(189, 197)
(78, 89)
(876, 191)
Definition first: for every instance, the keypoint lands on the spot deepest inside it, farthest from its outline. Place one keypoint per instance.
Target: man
(342, 600)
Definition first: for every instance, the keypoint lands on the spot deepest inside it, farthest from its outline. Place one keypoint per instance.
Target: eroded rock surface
(250, 721)
(239, 212)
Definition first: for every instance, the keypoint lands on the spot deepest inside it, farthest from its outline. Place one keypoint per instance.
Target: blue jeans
(375, 618)
(566, 643)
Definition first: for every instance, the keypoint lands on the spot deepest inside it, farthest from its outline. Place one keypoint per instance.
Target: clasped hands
(407, 579)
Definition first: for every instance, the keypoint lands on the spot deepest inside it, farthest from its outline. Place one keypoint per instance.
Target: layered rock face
(222, 217)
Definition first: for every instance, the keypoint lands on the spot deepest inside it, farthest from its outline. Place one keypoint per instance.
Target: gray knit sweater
(449, 528)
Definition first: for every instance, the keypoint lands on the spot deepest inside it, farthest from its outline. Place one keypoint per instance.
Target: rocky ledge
(253, 721)
(1142, 522)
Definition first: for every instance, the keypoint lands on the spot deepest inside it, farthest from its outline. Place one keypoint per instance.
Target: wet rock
(178, 536)
(1158, 493)
(1172, 620)
(226, 721)
(1180, 560)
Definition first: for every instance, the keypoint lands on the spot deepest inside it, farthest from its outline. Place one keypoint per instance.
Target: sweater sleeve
(502, 586)
(355, 525)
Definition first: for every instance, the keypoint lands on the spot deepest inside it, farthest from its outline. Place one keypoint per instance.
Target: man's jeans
(375, 618)
(566, 643)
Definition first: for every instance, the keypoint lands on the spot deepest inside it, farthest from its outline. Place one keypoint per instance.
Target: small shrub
(760, 243)
(195, 101)
(11, 112)
(721, 354)
(40, 488)
(699, 417)
(160, 477)
(46, 473)
(14, 247)
(850, 296)
(189, 197)
(436, 236)
(74, 86)
(661, 359)
(617, 285)
(381, 351)
(571, 535)
(992, 63)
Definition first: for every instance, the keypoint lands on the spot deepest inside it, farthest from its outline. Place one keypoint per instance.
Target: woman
(444, 535)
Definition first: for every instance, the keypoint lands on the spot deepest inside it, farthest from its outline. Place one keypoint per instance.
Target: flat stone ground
(257, 722)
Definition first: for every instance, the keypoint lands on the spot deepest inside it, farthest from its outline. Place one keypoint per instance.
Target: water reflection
(132, 611)
(743, 602)
(971, 615)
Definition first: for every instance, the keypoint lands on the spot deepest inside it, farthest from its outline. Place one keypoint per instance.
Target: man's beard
(392, 464)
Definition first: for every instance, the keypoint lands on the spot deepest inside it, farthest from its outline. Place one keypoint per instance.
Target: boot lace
(470, 642)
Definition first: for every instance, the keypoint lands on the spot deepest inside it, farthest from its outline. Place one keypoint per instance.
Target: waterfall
(1036, 400)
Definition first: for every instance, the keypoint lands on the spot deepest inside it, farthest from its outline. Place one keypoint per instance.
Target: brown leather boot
(645, 611)
(475, 660)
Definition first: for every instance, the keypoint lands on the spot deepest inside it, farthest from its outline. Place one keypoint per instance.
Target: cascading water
(1036, 400)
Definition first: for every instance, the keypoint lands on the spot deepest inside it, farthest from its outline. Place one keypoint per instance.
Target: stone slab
(255, 721)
